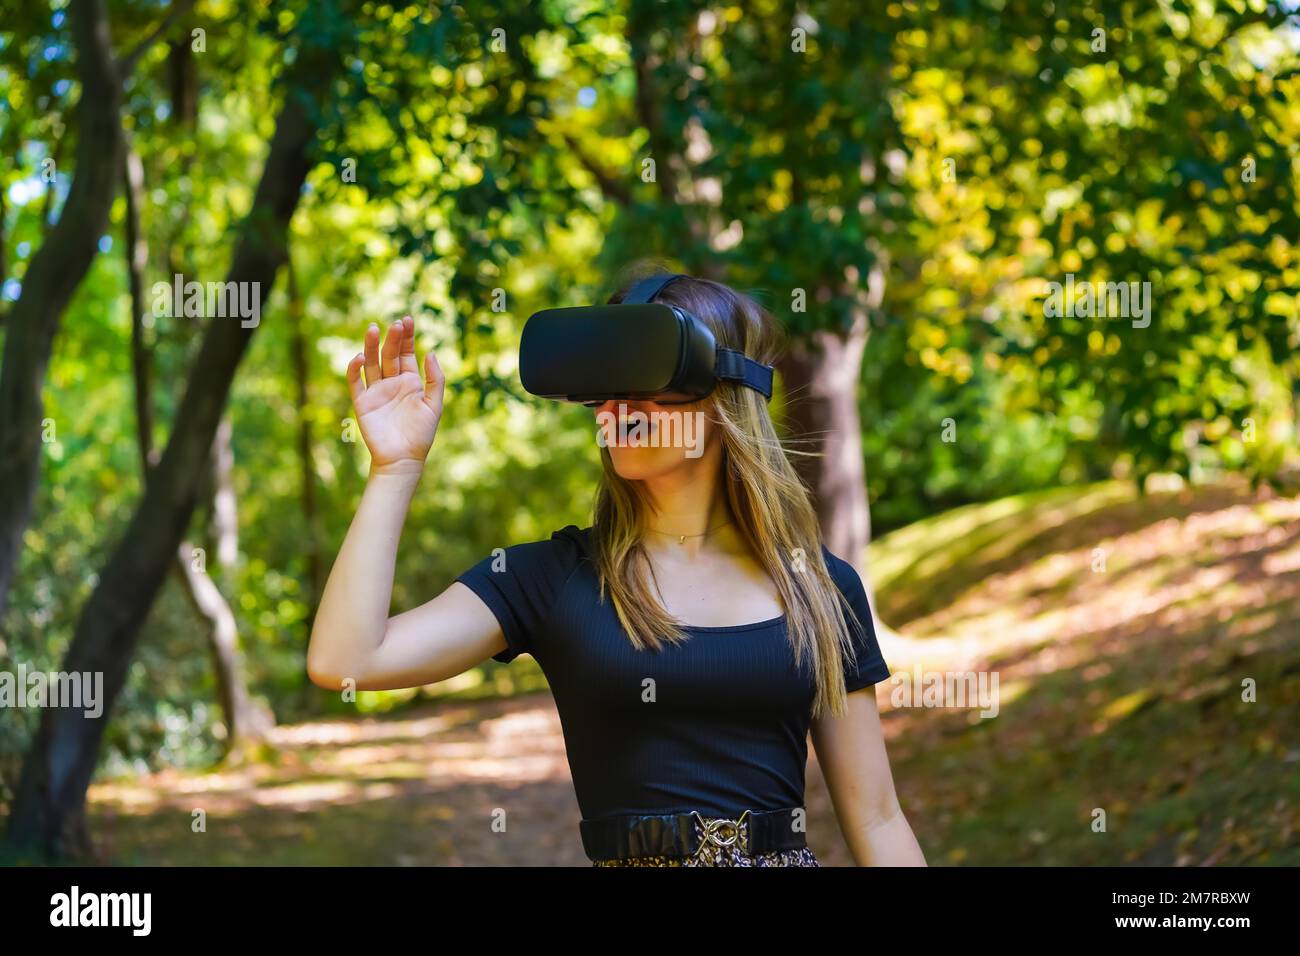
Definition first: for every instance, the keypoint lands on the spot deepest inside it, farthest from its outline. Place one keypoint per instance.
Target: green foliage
(1121, 143)
(931, 165)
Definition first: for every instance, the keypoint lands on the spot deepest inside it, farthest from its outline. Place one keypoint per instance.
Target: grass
(1128, 632)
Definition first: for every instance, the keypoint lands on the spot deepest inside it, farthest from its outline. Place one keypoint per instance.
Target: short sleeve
(870, 667)
(519, 585)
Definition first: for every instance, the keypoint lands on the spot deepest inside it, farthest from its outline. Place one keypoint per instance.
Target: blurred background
(1097, 504)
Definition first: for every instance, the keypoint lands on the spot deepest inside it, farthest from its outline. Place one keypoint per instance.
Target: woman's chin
(635, 465)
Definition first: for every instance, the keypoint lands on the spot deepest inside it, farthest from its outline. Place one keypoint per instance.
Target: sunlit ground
(1120, 631)
(1121, 674)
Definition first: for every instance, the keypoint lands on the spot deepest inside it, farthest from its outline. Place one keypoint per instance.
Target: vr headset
(634, 350)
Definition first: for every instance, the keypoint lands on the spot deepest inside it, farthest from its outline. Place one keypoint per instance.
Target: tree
(48, 809)
(246, 722)
(54, 274)
(1145, 151)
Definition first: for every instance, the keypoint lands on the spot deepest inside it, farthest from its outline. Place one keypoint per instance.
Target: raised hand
(397, 411)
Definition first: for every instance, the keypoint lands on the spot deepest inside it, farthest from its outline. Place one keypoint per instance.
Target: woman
(687, 741)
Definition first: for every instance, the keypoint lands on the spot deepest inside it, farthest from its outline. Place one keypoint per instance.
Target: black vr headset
(634, 350)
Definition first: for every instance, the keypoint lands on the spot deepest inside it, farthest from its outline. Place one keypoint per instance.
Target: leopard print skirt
(714, 853)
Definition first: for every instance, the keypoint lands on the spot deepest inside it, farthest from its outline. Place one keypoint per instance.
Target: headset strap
(731, 365)
(738, 367)
(649, 287)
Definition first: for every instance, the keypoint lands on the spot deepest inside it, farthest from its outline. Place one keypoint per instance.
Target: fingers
(392, 345)
(395, 356)
(406, 355)
(433, 382)
(355, 385)
(372, 355)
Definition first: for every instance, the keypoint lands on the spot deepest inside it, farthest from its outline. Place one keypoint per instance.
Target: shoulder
(573, 536)
(572, 544)
(844, 575)
(550, 560)
(557, 557)
(567, 550)
(569, 540)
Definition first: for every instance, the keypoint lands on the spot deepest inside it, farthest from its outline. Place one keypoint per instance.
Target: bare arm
(353, 637)
(851, 753)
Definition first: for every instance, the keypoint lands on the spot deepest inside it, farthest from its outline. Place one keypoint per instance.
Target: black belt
(684, 834)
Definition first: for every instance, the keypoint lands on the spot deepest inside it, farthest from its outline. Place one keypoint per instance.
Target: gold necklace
(681, 538)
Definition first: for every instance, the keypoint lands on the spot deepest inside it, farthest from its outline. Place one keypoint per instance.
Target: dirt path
(422, 788)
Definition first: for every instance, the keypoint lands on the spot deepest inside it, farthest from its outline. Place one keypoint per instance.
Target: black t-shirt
(726, 728)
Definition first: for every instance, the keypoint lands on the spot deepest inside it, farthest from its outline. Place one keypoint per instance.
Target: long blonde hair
(768, 501)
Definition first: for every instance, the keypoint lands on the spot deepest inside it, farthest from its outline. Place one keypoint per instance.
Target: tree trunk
(246, 721)
(821, 377)
(137, 261)
(307, 697)
(4, 264)
(48, 811)
(310, 511)
(225, 511)
(56, 270)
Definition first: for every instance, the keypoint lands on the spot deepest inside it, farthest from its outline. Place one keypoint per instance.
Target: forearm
(353, 613)
(885, 839)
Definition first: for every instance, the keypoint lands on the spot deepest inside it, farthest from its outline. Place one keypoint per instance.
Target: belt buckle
(711, 832)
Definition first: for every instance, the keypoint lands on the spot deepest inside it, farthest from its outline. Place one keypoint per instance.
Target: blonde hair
(768, 503)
